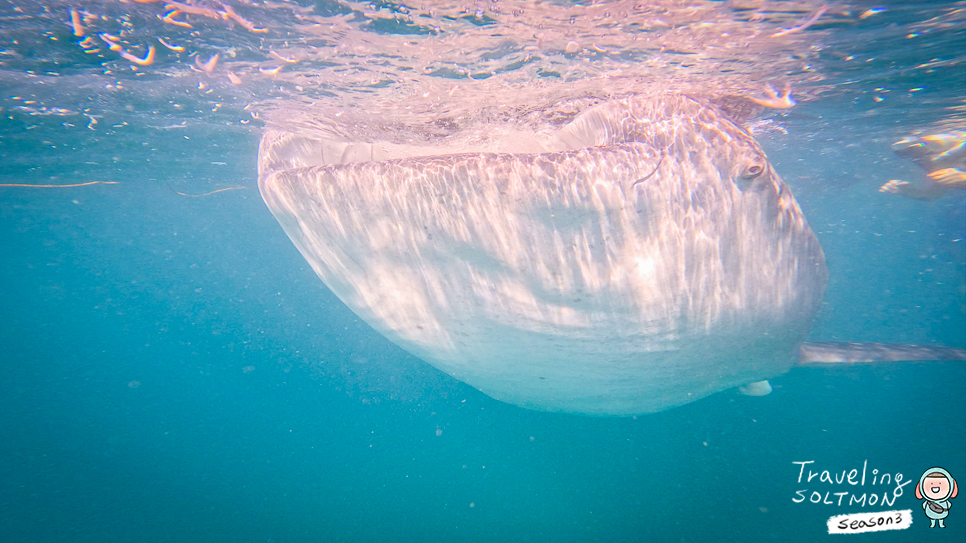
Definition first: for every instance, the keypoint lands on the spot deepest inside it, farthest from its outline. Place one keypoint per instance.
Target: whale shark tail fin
(814, 354)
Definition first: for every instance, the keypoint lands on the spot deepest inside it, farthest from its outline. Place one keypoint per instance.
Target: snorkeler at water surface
(943, 156)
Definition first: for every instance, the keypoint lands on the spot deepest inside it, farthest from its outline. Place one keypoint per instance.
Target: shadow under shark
(645, 256)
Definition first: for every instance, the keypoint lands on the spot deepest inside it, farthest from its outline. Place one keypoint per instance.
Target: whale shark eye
(753, 170)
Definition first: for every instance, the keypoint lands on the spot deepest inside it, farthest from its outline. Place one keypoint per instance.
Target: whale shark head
(645, 255)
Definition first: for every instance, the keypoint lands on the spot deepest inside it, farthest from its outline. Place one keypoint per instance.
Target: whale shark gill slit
(648, 176)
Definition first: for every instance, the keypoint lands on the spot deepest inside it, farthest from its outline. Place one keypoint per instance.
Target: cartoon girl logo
(936, 487)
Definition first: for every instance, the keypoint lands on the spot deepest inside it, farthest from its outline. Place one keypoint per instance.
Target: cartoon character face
(936, 488)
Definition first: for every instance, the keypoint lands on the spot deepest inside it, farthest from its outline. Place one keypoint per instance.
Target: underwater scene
(485, 270)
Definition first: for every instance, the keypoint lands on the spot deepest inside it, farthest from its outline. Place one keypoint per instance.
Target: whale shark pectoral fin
(758, 388)
(812, 354)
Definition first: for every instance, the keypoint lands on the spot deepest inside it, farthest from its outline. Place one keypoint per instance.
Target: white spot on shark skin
(760, 388)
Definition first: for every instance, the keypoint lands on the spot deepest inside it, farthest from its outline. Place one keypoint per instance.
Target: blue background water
(173, 371)
(331, 434)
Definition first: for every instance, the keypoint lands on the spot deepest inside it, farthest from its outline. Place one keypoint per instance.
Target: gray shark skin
(647, 256)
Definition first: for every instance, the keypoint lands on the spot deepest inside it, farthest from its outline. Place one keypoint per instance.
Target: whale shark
(643, 256)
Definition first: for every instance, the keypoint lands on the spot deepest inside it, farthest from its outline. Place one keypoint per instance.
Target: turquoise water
(174, 372)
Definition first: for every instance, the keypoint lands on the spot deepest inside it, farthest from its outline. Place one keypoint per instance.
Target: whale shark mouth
(643, 256)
